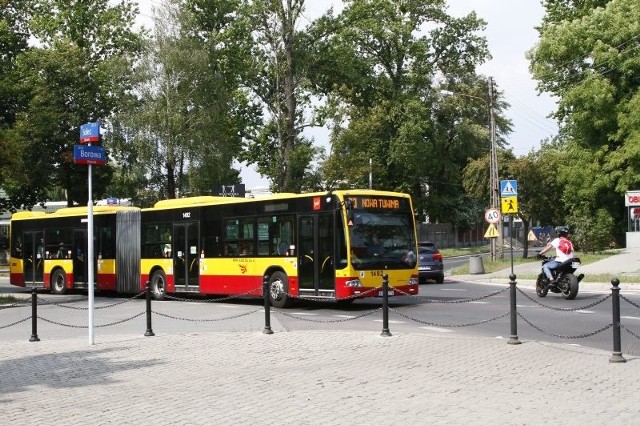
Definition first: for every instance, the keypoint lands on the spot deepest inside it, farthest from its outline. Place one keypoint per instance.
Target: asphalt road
(455, 308)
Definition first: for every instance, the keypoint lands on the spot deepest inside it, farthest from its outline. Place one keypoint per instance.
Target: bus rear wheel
(58, 282)
(279, 290)
(158, 285)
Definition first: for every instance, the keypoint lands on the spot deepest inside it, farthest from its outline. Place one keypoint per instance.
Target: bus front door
(316, 272)
(33, 258)
(186, 266)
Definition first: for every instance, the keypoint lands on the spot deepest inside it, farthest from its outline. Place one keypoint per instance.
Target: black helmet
(562, 231)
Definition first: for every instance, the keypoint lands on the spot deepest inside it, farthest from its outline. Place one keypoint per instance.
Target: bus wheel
(158, 285)
(279, 290)
(58, 282)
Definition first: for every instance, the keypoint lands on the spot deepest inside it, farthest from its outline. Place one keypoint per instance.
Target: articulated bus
(48, 250)
(330, 245)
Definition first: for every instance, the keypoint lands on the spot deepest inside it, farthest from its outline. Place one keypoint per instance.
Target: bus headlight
(353, 283)
(414, 280)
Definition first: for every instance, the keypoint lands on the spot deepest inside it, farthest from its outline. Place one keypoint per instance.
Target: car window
(427, 250)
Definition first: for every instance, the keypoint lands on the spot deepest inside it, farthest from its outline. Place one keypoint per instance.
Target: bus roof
(70, 211)
(27, 215)
(206, 200)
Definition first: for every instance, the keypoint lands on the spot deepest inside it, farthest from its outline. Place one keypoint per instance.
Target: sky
(510, 33)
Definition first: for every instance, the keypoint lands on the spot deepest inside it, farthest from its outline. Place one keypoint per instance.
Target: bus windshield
(381, 240)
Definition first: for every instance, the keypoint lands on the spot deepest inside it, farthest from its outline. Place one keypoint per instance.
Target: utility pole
(493, 168)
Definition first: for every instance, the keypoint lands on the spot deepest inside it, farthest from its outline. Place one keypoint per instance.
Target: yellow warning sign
(509, 205)
(531, 236)
(492, 232)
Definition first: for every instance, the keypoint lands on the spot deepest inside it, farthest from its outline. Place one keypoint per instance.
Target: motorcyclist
(564, 251)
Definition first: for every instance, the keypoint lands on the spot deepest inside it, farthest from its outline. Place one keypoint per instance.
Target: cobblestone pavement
(312, 377)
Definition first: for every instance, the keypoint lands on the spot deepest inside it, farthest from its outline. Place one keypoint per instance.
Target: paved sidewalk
(315, 378)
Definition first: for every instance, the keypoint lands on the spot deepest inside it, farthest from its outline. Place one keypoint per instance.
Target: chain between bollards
(513, 339)
(149, 331)
(267, 306)
(34, 316)
(616, 356)
(385, 306)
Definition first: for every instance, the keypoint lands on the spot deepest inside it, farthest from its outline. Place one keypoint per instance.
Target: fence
(384, 309)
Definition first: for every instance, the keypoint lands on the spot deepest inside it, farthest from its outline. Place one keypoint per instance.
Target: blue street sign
(508, 188)
(90, 132)
(89, 154)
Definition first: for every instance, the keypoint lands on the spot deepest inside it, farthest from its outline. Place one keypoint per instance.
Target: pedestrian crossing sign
(508, 188)
(509, 205)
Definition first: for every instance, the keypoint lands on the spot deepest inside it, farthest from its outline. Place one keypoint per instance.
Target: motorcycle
(565, 281)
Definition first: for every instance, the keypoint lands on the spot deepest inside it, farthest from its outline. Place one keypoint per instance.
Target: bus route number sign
(492, 215)
(376, 203)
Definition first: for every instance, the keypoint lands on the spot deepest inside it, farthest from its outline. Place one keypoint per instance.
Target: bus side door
(186, 263)
(79, 256)
(33, 257)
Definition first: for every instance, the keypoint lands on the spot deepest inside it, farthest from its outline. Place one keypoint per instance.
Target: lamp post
(494, 197)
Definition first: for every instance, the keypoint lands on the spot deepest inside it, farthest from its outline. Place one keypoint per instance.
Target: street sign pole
(89, 132)
(89, 257)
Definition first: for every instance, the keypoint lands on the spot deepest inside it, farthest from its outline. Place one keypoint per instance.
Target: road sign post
(89, 155)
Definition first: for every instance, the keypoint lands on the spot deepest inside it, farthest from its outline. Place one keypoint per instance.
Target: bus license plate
(381, 293)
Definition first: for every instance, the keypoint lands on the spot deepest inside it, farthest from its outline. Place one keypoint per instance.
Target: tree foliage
(588, 57)
(181, 131)
(270, 46)
(13, 42)
(383, 69)
(76, 72)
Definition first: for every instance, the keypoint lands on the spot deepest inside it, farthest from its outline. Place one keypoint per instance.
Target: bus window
(239, 237)
(263, 236)
(156, 240)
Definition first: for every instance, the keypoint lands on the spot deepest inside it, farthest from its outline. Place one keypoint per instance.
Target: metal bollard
(616, 356)
(34, 316)
(267, 306)
(513, 339)
(149, 331)
(385, 306)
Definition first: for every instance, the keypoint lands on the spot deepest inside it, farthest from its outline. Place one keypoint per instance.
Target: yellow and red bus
(331, 245)
(48, 250)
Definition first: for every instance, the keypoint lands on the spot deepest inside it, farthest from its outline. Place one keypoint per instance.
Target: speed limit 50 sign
(492, 215)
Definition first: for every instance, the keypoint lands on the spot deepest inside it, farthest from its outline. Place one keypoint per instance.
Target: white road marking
(390, 322)
(632, 318)
(439, 330)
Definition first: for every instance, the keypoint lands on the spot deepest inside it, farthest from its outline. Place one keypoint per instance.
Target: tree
(383, 61)
(13, 42)
(271, 68)
(587, 57)
(77, 73)
(181, 133)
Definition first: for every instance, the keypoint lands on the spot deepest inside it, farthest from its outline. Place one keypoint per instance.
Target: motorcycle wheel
(570, 286)
(541, 289)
